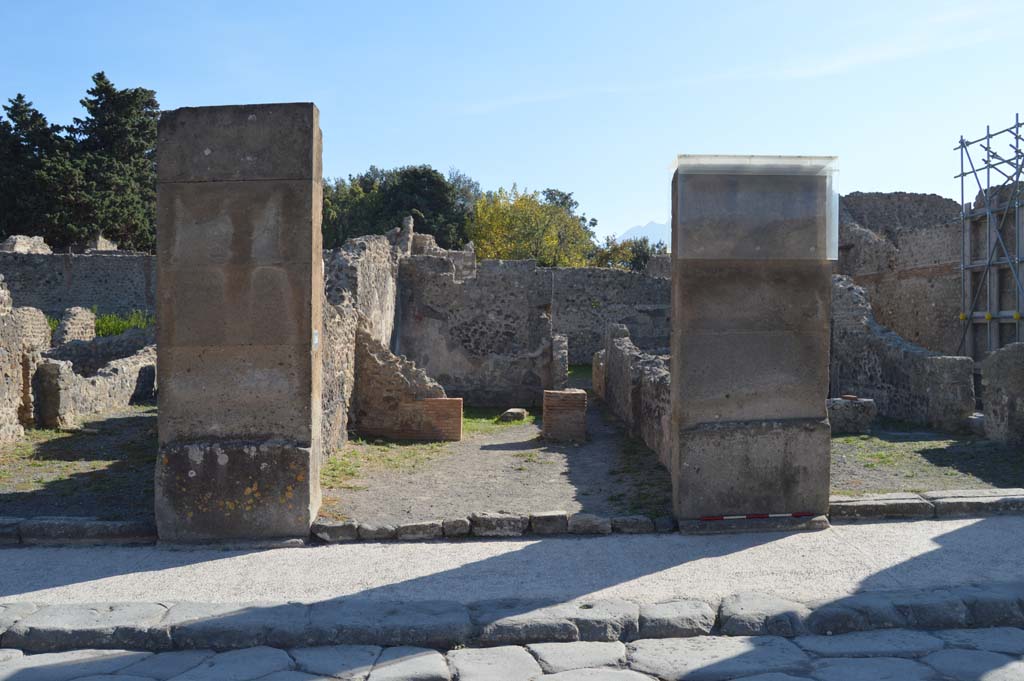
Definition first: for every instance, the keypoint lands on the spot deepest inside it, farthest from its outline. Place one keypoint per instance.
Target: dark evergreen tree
(27, 142)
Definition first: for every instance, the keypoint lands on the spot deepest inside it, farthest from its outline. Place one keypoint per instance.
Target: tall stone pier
(239, 295)
(751, 294)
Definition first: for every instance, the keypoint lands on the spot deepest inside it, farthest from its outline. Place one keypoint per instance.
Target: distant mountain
(655, 231)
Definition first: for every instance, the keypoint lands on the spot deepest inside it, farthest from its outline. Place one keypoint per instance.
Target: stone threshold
(444, 625)
(71, 530)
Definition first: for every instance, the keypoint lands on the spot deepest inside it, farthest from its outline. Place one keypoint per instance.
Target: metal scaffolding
(992, 241)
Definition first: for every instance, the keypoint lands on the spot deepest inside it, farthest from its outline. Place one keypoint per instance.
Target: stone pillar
(239, 295)
(751, 292)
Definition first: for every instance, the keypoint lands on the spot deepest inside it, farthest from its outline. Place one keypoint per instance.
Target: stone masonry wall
(111, 281)
(63, 397)
(904, 249)
(338, 373)
(24, 334)
(906, 381)
(77, 323)
(386, 381)
(585, 300)
(487, 339)
(1002, 375)
(367, 268)
(636, 387)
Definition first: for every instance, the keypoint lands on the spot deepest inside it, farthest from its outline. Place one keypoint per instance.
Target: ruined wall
(338, 373)
(111, 282)
(585, 300)
(1002, 375)
(89, 357)
(360, 289)
(77, 323)
(904, 249)
(64, 397)
(24, 335)
(367, 269)
(636, 386)
(486, 339)
(386, 383)
(906, 381)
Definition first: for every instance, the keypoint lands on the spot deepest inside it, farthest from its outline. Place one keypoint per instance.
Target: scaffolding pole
(992, 241)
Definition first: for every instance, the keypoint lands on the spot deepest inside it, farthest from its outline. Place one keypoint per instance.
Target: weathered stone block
(740, 468)
(489, 524)
(851, 416)
(565, 415)
(235, 490)
(249, 142)
(549, 522)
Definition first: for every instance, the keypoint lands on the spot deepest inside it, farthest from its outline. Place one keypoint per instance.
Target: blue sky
(591, 97)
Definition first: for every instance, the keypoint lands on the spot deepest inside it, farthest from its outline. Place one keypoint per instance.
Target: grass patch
(898, 457)
(53, 323)
(581, 376)
(650, 490)
(359, 455)
(115, 324)
(484, 421)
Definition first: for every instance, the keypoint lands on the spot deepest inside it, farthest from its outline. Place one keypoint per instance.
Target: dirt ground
(106, 470)
(897, 457)
(498, 468)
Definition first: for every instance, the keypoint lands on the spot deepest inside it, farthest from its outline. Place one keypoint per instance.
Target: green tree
(96, 176)
(27, 142)
(516, 225)
(375, 201)
(115, 160)
(631, 254)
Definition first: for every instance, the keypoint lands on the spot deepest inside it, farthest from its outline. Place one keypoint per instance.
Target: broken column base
(743, 468)
(207, 491)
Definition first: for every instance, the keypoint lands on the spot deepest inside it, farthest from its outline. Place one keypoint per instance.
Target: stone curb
(491, 525)
(448, 624)
(940, 504)
(74, 531)
(80, 531)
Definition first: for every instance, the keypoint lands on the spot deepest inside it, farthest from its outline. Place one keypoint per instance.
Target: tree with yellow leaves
(515, 225)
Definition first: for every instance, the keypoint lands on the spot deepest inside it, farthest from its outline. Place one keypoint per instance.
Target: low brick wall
(431, 419)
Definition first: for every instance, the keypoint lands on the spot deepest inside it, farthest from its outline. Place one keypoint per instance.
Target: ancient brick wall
(110, 282)
(904, 249)
(906, 381)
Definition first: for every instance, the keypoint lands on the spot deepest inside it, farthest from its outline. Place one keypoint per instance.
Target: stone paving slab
(856, 621)
(503, 663)
(714, 658)
(563, 657)
(883, 656)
